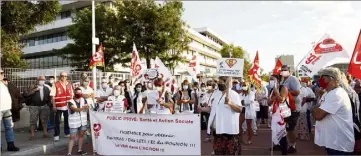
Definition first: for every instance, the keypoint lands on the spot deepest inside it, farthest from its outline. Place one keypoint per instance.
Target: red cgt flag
(354, 68)
(277, 69)
(254, 72)
(98, 58)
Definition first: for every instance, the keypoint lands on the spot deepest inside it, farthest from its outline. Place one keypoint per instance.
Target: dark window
(65, 14)
(31, 42)
(50, 38)
(64, 37)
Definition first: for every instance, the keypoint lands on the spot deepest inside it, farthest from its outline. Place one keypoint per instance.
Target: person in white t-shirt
(116, 103)
(158, 100)
(224, 120)
(248, 97)
(334, 122)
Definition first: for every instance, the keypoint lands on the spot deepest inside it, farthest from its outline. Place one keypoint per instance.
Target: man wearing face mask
(61, 92)
(87, 92)
(39, 105)
(117, 103)
(293, 85)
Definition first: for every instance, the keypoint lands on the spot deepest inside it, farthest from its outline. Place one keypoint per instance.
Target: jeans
(51, 122)
(336, 152)
(57, 122)
(308, 116)
(7, 120)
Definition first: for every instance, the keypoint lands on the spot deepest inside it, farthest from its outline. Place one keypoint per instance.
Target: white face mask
(216, 87)
(128, 84)
(203, 88)
(51, 81)
(209, 87)
(138, 90)
(116, 92)
(104, 85)
(244, 88)
(285, 73)
(185, 87)
(41, 82)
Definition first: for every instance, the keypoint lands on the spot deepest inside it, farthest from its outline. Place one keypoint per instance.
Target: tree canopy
(156, 29)
(19, 18)
(237, 52)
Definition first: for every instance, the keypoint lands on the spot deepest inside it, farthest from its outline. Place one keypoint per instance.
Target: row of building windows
(204, 46)
(65, 14)
(46, 39)
(47, 62)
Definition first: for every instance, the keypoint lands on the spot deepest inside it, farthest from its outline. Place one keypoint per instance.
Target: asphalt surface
(260, 146)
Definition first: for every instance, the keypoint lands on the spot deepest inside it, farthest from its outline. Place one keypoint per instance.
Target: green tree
(111, 37)
(237, 52)
(19, 18)
(156, 30)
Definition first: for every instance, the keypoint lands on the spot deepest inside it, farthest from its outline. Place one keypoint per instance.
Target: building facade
(287, 60)
(39, 45)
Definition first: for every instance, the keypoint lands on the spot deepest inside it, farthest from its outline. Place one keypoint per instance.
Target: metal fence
(23, 78)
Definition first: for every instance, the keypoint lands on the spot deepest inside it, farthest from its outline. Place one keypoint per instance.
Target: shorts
(263, 112)
(35, 111)
(76, 130)
(291, 121)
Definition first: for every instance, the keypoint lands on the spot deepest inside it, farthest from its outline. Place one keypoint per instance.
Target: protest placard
(145, 134)
(232, 67)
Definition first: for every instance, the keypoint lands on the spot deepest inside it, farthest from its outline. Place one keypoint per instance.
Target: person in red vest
(61, 92)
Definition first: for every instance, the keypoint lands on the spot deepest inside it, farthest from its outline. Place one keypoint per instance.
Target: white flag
(136, 67)
(326, 52)
(193, 67)
(163, 70)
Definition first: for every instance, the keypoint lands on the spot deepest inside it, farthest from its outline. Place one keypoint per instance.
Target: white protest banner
(145, 134)
(163, 70)
(230, 67)
(325, 53)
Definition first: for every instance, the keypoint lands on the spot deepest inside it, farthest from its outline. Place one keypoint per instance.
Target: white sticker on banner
(144, 134)
(230, 67)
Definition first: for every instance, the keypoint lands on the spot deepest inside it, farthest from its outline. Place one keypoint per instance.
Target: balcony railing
(56, 24)
(46, 47)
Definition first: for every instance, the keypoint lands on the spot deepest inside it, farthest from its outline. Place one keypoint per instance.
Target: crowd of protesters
(329, 104)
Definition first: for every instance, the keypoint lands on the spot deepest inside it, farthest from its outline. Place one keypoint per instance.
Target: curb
(50, 148)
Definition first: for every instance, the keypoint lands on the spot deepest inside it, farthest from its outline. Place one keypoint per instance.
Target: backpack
(190, 97)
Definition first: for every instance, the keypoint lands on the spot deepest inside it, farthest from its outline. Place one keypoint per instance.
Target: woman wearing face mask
(78, 109)
(88, 92)
(184, 98)
(116, 103)
(205, 106)
(281, 101)
(158, 101)
(248, 112)
(224, 120)
(127, 93)
(138, 105)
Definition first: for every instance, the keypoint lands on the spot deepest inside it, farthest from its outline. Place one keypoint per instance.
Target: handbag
(285, 110)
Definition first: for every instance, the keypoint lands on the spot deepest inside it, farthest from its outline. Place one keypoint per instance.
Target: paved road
(260, 146)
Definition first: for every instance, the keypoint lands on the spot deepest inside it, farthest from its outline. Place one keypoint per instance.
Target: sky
(277, 27)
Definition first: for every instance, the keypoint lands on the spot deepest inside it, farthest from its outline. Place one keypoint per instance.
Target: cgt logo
(96, 128)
